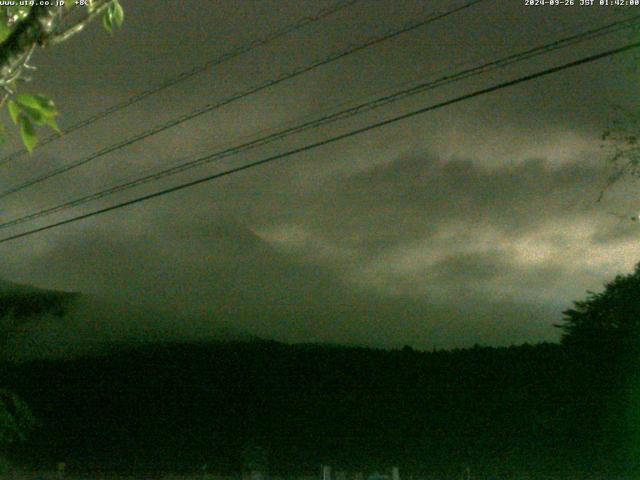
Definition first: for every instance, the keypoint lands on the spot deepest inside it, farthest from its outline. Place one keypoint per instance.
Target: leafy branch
(29, 110)
(25, 28)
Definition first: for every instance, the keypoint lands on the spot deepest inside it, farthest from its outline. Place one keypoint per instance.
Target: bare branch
(79, 24)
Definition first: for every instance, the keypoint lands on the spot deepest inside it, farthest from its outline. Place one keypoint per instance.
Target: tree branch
(34, 30)
(80, 24)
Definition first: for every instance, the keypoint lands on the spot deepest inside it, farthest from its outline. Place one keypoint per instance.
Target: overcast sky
(475, 223)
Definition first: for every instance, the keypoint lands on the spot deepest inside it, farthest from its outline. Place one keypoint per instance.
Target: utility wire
(210, 107)
(225, 57)
(327, 119)
(334, 139)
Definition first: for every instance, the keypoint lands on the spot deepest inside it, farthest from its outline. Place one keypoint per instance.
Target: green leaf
(118, 13)
(52, 123)
(42, 104)
(28, 133)
(5, 29)
(107, 21)
(28, 110)
(32, 114)
(113, 17)
(14, 111)
(3, 134)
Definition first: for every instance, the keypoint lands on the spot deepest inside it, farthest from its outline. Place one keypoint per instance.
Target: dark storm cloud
(464, 268)
(476, 223)
(417, 195)
(520, 224)
(420, 249)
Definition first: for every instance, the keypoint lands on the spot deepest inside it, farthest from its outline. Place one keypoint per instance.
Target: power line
(330, 140)
(343, 114)
(208, 108)
(225, 57)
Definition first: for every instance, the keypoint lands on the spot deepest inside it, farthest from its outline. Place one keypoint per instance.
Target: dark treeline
(569, 410)
(545, 408)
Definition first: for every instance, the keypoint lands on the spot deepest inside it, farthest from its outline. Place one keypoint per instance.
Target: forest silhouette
(552, 410)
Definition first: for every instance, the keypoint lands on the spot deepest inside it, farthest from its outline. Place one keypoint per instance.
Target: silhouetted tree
(17, 419)
(15, 422)
(603, 332)
(16, 307)
(609, 321)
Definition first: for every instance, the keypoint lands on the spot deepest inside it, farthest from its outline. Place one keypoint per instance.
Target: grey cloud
(198, 257)
(414, 197)
(473, 224)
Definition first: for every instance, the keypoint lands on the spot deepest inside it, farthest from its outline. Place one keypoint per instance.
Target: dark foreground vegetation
(173, 407)
(547, 410)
